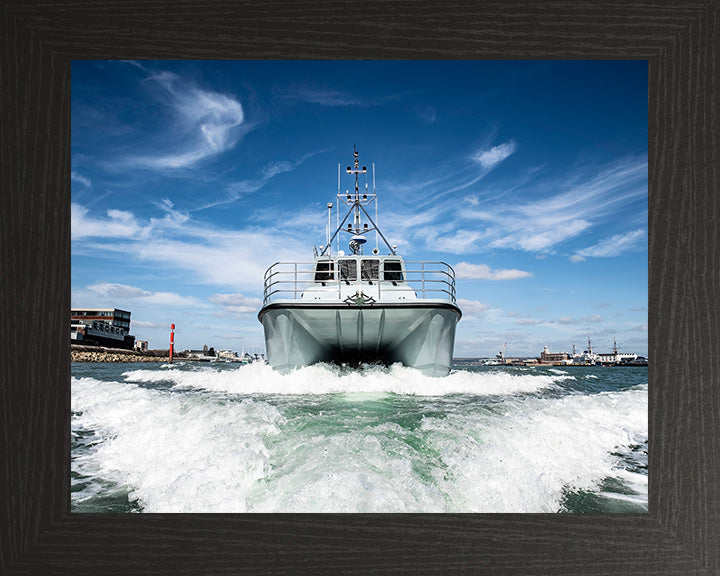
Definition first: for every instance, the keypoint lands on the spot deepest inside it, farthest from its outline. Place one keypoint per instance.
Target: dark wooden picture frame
(680, 534)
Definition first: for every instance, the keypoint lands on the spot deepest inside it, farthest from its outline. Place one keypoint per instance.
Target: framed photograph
(543, 144)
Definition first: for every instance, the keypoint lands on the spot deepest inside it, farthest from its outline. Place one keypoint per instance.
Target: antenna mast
(357, 202)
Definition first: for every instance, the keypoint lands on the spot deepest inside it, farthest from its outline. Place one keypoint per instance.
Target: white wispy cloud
(117, 224)
(610, 247)
(472, 308)
(484, 272)
(77, 177)
(118, 290)
(237, 303)
(427, 114)
(408, 227)
(429, 216)
(207, 123)
(461, 242)
(429, 188)
(212, 255)
(332, 97)
(108, 291)
(173, 220)
(134, 63)
(609, 190)
(325, 97)
(122, 224)
(491, 157)
(243, 188)
(539, 235)
(539, 226)
(568, 320)
(274, 168)
(527, 321)
(487, 159)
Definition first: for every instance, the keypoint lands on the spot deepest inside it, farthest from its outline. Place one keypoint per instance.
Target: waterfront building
(108, 327)
(547, 357)
(204, 353)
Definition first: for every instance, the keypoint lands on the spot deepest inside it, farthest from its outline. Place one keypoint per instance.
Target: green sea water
(198, 437)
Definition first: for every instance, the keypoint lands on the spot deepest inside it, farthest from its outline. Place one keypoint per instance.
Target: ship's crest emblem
(359, 299)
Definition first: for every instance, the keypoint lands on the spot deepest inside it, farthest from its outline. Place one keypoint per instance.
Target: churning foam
(184, 450)
(257, 378)
(178, 453)
(526, 457)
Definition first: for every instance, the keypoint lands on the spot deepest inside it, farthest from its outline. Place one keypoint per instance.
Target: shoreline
(85, 353)
(80, 353)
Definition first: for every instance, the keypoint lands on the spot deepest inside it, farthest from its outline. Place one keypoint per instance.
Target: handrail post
(380, 278)
(454, 296)
(265, 290)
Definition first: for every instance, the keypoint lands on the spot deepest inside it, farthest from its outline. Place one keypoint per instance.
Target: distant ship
(614, 358)
(356, 308)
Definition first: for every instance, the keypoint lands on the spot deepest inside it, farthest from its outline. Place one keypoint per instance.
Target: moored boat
(359, 307)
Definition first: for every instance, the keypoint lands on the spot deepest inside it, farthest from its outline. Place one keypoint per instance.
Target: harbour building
(108, 327)
(547, 357)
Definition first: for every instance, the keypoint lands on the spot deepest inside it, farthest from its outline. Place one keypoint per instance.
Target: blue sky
(189, 178)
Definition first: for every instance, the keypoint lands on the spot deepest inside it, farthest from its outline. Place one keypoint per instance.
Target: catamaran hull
(420, 336)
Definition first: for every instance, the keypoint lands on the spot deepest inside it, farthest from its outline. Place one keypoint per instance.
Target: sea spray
(230, 438)
(259, 378)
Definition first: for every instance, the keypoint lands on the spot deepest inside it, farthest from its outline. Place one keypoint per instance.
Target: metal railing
(291, 280)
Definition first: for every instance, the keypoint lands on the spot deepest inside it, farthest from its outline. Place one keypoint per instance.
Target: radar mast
(357, 200)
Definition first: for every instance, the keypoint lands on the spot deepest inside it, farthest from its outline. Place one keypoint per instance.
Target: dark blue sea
(202, 437)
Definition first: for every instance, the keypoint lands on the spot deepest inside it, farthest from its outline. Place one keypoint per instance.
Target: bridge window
(393, 270)
(324, 271)
(370, 269)
(347, 269)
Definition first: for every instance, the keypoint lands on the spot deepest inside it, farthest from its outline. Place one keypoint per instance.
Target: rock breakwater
(100, 354)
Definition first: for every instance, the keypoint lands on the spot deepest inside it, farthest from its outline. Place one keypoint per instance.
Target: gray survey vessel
(359, 308)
